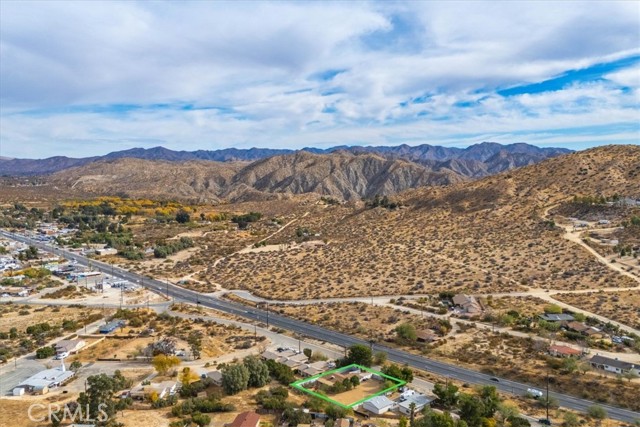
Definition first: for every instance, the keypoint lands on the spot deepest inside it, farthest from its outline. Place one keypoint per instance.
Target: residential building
(614, 365)
(420, 401)
(426, 336)
(379, 405)
(468, 305)
(564, 351)
(111, 326)
(557, 317)
(245, 419)
(162, 390)
(216, 377)
(69, 346)
(43, 381)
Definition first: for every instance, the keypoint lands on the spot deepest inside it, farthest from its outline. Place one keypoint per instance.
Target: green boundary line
(298, 385)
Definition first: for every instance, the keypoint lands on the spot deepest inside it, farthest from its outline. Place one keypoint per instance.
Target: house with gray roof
(614, 365)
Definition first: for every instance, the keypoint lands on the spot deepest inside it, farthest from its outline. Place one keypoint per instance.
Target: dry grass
(10, 315)
(623, 307)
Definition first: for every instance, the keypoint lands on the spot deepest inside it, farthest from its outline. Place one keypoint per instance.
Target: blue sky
(209, 75)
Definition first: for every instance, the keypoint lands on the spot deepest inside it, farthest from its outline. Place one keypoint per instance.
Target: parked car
(62, 355)
(544, 421)
(535, 393)
(494, 379)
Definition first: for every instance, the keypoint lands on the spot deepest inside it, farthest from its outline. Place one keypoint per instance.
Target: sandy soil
(38, 314)
(365, 389)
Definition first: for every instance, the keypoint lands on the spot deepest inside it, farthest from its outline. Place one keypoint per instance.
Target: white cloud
(257, 59)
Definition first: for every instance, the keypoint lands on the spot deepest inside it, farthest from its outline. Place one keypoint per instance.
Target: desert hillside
(486, 235)
(342, 175)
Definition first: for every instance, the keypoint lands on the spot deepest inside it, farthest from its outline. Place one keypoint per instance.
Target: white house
(41, 382)
(409, 397)
(614, 365)
(379, 405)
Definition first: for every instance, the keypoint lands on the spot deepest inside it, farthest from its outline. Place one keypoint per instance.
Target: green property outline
(298, 385)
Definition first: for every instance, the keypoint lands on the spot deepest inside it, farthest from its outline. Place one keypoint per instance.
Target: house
(583, 329)
(43, 381)
(614, 365)
(162, 390)
(215, 376)
(556, 317)
(564, 351)
(69, 346)
(107, 251)
(311, 369)
(577, 326)
(378, 405)
(426, 336)
(468, 305)
(111, 326)
(245, 419)
(412, 397)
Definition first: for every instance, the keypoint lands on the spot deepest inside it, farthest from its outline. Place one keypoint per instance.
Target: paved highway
(320, 333)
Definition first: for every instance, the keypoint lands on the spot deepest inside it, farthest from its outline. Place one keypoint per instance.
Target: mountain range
(469, 159)
(346, 173)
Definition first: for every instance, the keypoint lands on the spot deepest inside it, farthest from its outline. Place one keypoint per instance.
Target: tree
(403, 373)
(235, 378)
(355, 381)
(597, 412)
(569, 365)
(552, 309)
(195, 344)
(471, 410)
(97, 401)
(584, 367)
(307, 352)
(403, 422)
(258, 371)
(335, 412)
(447, 395)
(570, 420)
(630, 375)
(162, 363)
(490, 400)
(379, 358)
(75, 365)
(505, 412)
(519, 422)
(45, 352)
(406, 332)
(359, 354)
(201, 419)
(187, 376)
(435, 419)
(182, 217)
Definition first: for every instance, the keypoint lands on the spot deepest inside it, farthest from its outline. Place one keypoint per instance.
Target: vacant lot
(483, 241)
(21, 316)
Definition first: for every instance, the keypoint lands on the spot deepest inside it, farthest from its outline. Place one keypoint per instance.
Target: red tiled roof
(246, 419)
(563, 349)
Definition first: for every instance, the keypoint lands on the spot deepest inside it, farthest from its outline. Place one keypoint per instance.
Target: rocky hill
(342, 175)
(474, 161)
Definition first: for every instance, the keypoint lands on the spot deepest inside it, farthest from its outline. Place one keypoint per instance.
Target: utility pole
(547, 397)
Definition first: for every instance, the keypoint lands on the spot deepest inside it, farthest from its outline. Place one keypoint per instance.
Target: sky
(84, 78)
